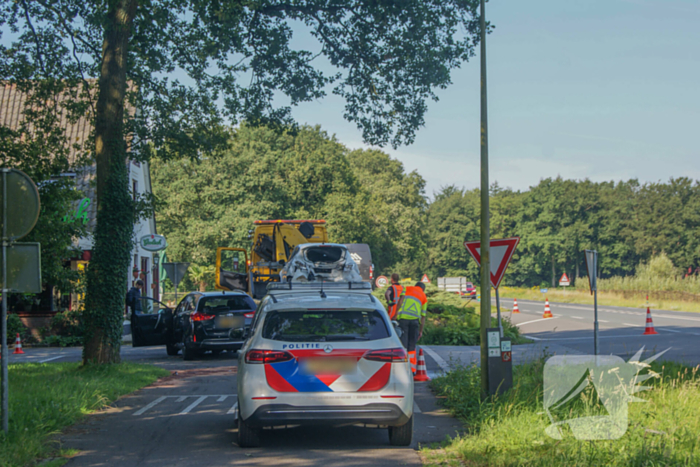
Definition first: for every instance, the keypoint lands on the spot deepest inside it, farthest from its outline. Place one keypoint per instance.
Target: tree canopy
(365, 196)
(116, 60)
(626, 222)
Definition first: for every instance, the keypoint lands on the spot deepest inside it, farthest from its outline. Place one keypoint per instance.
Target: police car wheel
(401, 435)
(248, 437)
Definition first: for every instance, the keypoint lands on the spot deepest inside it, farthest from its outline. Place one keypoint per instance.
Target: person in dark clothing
(392, 295)
(133, 297)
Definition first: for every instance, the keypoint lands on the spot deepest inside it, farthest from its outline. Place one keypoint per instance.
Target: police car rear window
(324, 326)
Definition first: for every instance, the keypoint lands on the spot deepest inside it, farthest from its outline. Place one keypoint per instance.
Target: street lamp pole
(485, 307)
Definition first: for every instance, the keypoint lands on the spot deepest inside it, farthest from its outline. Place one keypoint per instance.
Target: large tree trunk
(108, 269)
(554, 274)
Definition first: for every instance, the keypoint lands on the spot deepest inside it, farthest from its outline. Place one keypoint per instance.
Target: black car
(202, 321)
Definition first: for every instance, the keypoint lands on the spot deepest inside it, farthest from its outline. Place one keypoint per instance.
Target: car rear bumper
(370, 414)
(217, 344)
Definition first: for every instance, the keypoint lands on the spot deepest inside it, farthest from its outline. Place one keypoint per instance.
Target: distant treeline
(367, 197)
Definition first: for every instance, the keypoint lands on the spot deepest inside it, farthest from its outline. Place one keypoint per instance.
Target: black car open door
(151, 324)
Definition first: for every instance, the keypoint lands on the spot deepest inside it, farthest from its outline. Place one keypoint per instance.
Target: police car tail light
(197, 316)
(386, 355)
(249, 315)
(267, 356)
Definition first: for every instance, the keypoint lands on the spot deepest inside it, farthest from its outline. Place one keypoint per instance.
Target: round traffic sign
(21, 203)
(381, 281)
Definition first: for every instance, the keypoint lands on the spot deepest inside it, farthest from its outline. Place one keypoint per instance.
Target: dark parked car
(202, 321)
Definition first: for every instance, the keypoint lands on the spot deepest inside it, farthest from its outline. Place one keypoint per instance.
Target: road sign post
(564, 281)
(485, 306)
(592, 268)
(176, 272)
(20, 211)
(501, 251)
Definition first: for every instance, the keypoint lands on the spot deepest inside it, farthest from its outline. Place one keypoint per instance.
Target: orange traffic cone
(650, 325)
(18, 345)
(412, 359)
(515, 306)
(547, 311)
(422, 373)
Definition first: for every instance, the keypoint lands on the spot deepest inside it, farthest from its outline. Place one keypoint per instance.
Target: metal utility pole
(3, 351)
(485, 308)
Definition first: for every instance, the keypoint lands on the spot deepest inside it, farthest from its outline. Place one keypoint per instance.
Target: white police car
(323, 354)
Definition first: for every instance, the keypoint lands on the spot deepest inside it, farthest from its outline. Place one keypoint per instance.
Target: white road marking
(533, 338)
(52, 358)
(150, 406)
(193, 405)
(232, 410)
(670, 330)
(536, 320)
(633, 325)
(416, 409)
(675, 317)
(221, 399)
(438, 359)
(603, 321)
(582, 338)
(181, 398)
(575, 317)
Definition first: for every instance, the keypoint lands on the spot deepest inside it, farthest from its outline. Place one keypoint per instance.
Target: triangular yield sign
(501, 253)
(425, 279)
(592, 267)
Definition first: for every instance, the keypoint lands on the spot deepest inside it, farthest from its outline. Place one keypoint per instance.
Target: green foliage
(364, 195)
(45, 398)
(106, 288)
(14, 327)
(112, 63)
(509, 430)
(657, 275)
(201, 275)
(65, 330)
(451, 321)
(557, 219)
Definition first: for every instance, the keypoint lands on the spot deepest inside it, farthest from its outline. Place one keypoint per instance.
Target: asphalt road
(187, 419)
(621, 329)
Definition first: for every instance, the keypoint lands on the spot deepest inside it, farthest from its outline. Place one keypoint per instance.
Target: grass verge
(605, 298)
(509, 431)
(45, 398)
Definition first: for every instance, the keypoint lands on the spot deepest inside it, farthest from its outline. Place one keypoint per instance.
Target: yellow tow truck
(273, 243)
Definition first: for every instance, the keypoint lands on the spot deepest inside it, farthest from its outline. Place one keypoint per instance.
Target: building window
(134, 188)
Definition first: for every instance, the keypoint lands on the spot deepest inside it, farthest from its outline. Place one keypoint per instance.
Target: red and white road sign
(564, 281)
(382, 281)
(425, 279)
(501, 253)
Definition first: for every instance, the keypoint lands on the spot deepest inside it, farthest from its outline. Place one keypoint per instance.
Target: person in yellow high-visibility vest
(393, 295)
(411, 316)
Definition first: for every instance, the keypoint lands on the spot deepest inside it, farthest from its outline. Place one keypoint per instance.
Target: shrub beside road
(45, 398)
(453, 320)
(509, 430)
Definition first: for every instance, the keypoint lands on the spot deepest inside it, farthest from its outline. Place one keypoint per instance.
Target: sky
(597, 89)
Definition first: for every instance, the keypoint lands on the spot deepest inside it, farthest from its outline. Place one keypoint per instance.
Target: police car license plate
(329, 366)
